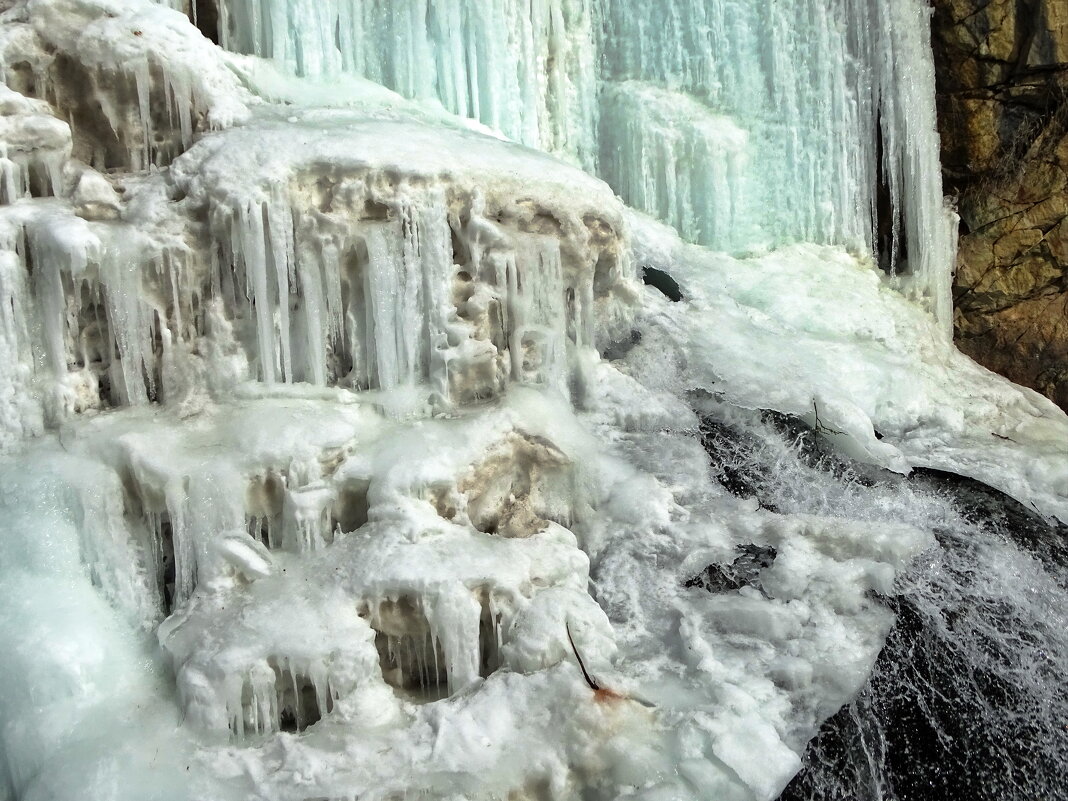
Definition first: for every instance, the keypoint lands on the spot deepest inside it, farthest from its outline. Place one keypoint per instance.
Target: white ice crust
(337, 428)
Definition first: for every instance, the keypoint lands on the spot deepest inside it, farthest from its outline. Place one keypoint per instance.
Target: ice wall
(834, 103)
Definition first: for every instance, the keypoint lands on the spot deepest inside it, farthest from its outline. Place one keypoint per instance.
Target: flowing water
(967, 699)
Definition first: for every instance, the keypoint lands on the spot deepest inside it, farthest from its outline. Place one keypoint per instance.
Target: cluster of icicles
(348, 280)
(733, 121)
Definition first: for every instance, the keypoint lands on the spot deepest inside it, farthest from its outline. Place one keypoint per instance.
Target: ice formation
(839, 97)
(337, 425)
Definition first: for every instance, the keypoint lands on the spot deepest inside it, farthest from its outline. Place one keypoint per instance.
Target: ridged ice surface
(345, 454)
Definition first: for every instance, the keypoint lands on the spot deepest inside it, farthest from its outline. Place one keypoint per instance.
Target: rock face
(1002, 69)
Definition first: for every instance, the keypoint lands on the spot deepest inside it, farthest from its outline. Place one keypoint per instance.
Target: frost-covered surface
(330, 421)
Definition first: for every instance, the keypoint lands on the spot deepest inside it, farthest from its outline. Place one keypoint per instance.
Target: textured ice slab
(533, 248)
(865, 367)
(417, 635)
(334, 249)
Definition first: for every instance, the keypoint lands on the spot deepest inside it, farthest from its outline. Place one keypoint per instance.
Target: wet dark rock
(619, 350)
(741, 465)
(662, 282)
(730, 451)
(955, 708)
(983, 505)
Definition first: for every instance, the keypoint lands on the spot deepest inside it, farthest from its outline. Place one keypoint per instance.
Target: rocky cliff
(1003, 118)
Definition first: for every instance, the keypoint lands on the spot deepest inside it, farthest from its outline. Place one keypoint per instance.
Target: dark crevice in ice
(298, 704)
(744, 571)
(206, 16)
(619, 350)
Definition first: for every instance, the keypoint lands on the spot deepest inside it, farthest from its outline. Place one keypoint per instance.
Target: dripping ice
(338, 422)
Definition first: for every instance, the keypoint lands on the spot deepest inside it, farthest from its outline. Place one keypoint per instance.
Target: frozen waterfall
(835, 103)
(344, 452)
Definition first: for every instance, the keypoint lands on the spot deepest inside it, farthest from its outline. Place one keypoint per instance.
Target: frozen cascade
(337, 428)
(773, 110)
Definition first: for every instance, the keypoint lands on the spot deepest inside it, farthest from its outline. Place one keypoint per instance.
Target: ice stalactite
(19, 415)
(454, 615)
(260, 683)
(307, 523)
(422, 609)
(372, 297)
(923, 236)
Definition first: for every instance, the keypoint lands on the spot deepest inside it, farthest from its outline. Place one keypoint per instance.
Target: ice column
(671, 156)
(906, 88)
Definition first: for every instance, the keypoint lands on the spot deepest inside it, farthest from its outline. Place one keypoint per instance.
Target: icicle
(454, 615)
(905, 75)
(249, 243)
(436, 257)
(179, 89)
(184, 547)
(128, 322)
(385, 305)
(143, 82)
(279, 224)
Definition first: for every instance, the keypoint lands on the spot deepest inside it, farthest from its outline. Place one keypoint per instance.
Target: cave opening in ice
(338, 423)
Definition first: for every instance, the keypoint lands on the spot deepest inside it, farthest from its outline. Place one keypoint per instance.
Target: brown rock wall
(1003, 117)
